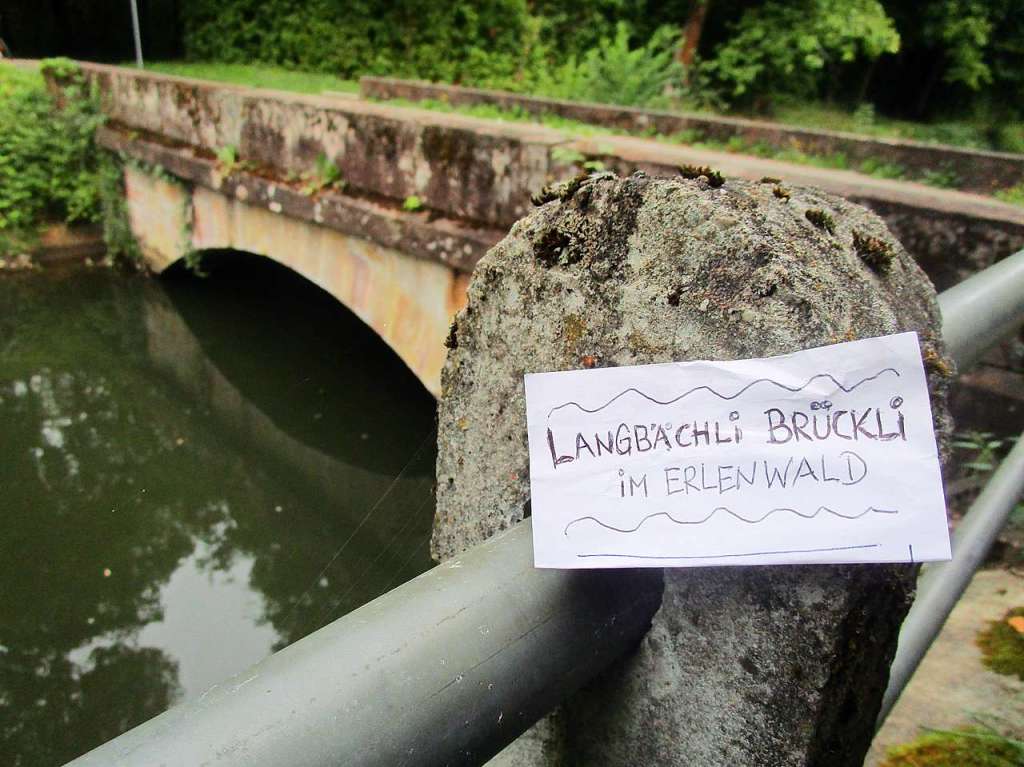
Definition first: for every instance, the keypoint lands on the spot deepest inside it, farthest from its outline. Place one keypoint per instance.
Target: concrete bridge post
(780, 666)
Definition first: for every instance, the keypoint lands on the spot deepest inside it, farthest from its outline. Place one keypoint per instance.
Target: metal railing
(453, 665)
(976, 314)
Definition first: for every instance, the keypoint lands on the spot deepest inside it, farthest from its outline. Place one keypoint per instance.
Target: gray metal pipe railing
(451, 666)
(983, 309)
(444, 670)
(976, 314)
(941, 584)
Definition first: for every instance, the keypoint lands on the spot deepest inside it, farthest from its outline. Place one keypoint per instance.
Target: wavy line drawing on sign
(728, 511)
(726, 397)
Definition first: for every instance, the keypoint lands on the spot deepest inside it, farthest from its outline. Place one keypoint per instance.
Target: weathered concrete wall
(754, 666)
(409, 302)
(482, 171)
(977, 170)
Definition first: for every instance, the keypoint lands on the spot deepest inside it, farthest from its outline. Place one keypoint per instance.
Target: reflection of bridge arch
(409, 302)
(345, 482)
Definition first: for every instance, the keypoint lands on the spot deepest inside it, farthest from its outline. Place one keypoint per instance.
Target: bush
(48, 166)
(614, 73)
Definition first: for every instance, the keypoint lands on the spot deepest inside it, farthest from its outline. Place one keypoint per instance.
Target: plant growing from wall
(228, 161)
(117, 231)
(325, 175)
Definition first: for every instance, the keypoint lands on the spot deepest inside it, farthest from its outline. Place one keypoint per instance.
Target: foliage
(412, 203)
(788, 47)
(971, 747)
(448, 41)
(1002, 644)
(1013, 195)
(228, 161)
(615, 73)
(48, 167)
(117, 232)
(963, 29)
(325, 174)
(982, 449)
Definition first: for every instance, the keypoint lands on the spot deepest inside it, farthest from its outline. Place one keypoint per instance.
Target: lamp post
(135, 32)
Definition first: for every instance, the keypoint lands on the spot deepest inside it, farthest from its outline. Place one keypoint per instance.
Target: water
(180, 462)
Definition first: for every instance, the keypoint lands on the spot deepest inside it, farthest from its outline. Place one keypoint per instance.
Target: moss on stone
(714, 177)
(821, 219)
(966, 748)
(1002, 645)
(874, 252)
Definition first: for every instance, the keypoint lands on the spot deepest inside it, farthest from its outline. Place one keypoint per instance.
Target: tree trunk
(692, 31)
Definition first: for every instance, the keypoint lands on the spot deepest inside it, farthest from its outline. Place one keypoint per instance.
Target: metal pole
(135, 32)
(941, 584)
(982, 309)
(444, 670)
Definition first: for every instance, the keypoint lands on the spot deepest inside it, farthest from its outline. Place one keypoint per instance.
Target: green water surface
(193, 473)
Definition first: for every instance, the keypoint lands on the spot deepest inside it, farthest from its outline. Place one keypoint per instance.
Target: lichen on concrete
(743, 665)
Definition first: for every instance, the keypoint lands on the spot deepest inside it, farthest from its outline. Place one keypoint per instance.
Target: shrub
(615, 73)
(48, 163)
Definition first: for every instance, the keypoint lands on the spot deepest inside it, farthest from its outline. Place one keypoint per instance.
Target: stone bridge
(423, 194)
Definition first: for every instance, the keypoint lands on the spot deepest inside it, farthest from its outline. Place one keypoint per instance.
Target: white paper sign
(822, 456)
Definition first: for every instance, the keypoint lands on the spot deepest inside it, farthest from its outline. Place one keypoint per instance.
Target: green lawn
(256, 76)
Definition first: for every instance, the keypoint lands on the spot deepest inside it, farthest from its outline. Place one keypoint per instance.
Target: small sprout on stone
(452, 340)
(935, 362)
(325, 174)
(412, 203)
(545, 195)
(770, 180)
(228, 161)
(572, 186)
(874, 252)
(715, 179)
(821, 219)
(781, 192)
(560, 191)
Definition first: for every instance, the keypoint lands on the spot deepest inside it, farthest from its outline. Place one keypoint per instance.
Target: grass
(255, 76)
(865, 121)
(963, 748)
(1014, 195)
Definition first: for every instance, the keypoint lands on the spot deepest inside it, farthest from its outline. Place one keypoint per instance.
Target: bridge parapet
(478, 170)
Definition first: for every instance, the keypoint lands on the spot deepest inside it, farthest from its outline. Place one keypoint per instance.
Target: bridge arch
(408, 301)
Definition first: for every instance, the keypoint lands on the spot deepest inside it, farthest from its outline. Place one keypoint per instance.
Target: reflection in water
(178, 463)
